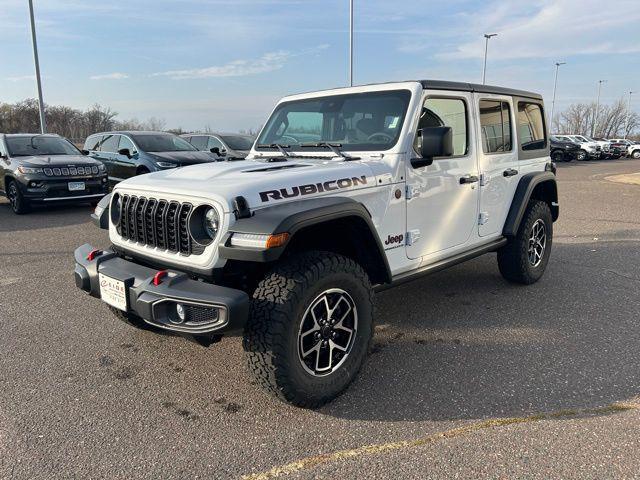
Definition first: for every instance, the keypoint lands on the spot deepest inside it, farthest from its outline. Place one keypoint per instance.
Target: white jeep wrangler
(345, 192)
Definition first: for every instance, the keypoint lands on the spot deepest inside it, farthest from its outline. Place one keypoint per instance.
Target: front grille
(70, 171)
(155, 223)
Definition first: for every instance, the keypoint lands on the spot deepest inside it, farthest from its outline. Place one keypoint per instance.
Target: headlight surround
(28, 170)
(166, 164)
(204, 224)
(102, 168)
(116, 209)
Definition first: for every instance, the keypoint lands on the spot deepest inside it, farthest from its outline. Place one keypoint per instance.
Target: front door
(498, 161)
(442, 198)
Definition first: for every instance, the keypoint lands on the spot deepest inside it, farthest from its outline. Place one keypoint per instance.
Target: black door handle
(510, 172)
(468, 179)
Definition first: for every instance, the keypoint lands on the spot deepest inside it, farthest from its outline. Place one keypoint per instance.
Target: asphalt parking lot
(469, 376)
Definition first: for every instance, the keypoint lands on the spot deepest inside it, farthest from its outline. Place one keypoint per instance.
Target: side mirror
(125, 151)
(436, 142)
(217, 151)
(85, 152)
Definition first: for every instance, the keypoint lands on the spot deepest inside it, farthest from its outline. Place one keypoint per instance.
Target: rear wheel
(18, 203)
(635, 154)
(524, 259)
(310, 328)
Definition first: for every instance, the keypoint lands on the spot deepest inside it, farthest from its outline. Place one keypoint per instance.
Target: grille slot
(157, 223)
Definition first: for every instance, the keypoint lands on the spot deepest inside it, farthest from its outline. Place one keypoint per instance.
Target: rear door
(499, 173)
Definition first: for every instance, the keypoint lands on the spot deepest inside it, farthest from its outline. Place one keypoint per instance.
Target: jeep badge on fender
(287, 246)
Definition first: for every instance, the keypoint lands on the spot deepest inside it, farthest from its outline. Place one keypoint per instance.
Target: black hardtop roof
(474, 87)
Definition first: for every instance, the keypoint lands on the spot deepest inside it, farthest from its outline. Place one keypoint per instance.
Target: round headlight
(211, 222)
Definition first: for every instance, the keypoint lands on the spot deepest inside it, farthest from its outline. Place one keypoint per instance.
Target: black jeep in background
(47, 169)
(562, 151)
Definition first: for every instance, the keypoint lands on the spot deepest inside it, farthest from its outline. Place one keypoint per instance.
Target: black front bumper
(227, 308)
(54, 190)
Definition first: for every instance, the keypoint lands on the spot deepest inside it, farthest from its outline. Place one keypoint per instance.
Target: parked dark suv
(47, 169)
(126, 154)
(230, 145)
(562, 151)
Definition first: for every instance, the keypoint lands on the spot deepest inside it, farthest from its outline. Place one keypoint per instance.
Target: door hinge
(483, 218)
(484, 179)
(412, 191)
(413, 236)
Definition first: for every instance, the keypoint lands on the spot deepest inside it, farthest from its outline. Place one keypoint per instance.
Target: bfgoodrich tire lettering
(524, 259)
(272, 334)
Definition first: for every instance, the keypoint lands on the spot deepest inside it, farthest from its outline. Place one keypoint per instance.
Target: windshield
(238, 142)
(163, 143)
(24, 146)
(361, 121)
(581, 138)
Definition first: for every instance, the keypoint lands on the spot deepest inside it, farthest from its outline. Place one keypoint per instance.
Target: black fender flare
(528, 183)
(290, 218)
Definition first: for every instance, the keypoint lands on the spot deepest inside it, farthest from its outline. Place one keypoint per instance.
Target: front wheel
(18, 203)
(559, 156)
(310, 328)
(635, 154)
(524, 259)
(582, 155)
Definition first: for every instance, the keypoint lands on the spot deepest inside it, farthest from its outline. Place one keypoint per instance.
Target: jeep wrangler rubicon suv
(345, 192)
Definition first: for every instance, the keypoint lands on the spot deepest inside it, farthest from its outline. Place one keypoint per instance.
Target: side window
(126, 143)
(199, 142)
(110, 143)
(531, 126)
(92, 143)
(214, 143)
(495, 123)
(449, 112)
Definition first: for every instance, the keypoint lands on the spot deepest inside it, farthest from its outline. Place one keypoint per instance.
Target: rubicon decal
(311, 188)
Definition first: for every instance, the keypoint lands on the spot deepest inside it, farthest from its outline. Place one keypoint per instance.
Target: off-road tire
(513, 258)
(19, 205)
(277, 309)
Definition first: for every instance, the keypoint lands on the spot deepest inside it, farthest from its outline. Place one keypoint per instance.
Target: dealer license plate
(113, 292)
(76, 186)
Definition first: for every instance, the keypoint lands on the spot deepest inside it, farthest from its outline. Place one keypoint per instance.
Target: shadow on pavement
(465, 344)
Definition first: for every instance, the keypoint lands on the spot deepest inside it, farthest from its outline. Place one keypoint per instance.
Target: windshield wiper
(278, 146)
(334, 147)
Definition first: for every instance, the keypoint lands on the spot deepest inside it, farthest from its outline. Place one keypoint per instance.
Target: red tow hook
(93, 254)
(157, 278)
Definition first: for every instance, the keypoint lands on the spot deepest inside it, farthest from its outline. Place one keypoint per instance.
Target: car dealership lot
(469, 375)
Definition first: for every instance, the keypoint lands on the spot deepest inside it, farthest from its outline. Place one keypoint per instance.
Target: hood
(51, 160)
(260, 183)
(184, 158)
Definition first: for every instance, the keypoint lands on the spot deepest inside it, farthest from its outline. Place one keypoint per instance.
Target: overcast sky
(223, 63)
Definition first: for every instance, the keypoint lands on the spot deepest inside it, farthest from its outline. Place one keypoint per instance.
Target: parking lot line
(366, 450)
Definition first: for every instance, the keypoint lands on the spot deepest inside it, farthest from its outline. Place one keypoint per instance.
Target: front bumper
(212, 309)
(43, 189)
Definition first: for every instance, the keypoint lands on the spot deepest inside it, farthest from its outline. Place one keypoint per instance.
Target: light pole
(487, 36)
(43, 122)
(555, 86)
(351, 43)
(595, 117)
(626, 130)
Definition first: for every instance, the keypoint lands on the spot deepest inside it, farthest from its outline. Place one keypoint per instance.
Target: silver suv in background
(588, 150)
(232, 145)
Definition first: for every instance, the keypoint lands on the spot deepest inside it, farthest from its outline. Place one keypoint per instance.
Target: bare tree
(578, 118)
